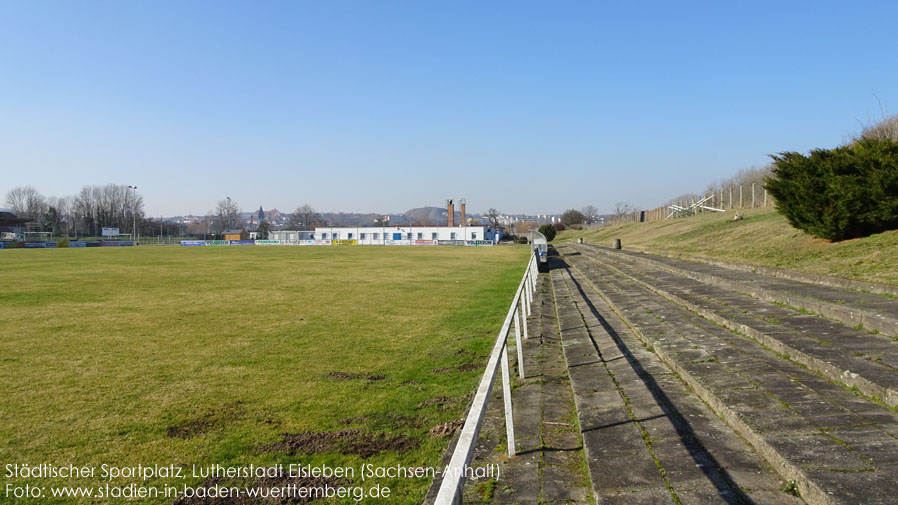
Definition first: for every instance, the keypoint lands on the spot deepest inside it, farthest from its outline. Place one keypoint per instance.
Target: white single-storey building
(395, 235)
(290, 236)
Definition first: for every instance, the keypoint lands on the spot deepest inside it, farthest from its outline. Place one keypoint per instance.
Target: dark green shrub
(548, 230)
(841, 193)
(572, 217)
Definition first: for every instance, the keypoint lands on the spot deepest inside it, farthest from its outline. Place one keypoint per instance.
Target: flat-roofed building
(409, 235)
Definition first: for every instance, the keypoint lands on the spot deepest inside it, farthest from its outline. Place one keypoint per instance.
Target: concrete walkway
(549, 467)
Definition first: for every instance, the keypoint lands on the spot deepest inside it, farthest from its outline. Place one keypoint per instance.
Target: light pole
(134, 216)
(228, 210)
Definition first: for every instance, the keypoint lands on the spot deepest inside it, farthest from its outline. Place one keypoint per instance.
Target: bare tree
(227, 215)
(492, 218)
(63, 209)
(304, 218)
(15, 200)
(591, 213)
(623, 208)
(27, 202)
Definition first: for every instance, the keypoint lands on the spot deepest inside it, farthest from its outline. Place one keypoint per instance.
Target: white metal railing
(451, 488)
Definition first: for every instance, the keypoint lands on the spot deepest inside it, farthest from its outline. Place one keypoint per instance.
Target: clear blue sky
(381, 106)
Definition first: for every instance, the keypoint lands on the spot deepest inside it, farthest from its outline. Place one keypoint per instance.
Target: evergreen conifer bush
(847, 192)
(548, 230)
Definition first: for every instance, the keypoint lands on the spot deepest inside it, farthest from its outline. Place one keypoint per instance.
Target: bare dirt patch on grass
(357, 442)
(344, 376)
(444, 402)
(446, 429)
(206, 421)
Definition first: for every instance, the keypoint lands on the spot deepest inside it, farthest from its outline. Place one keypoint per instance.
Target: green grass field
(762, 238)
(211, 355)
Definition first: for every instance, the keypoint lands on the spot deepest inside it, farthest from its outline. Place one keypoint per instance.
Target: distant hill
(435, 215)
(429, 215)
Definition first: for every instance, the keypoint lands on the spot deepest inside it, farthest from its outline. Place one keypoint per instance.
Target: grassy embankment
(210, 355)
(762, 238)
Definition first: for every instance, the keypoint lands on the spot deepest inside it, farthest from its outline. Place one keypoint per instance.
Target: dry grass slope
(762, 238)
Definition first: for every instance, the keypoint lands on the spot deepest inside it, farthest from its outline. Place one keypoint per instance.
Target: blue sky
(382, 106)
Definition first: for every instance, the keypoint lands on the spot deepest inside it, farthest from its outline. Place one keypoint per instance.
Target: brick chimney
(463, 222)
(451, 208)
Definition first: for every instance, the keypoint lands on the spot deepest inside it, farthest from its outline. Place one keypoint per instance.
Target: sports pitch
(239, 356)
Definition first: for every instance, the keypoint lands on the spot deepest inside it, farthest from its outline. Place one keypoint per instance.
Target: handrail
(451, 488)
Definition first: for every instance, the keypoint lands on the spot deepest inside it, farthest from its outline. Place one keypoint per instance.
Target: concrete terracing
(766, 382)
(856, 358)
(652, 380)
(852, 307)
(648, 438)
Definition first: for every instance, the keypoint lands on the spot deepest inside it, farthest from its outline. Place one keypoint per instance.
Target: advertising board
(110, 232)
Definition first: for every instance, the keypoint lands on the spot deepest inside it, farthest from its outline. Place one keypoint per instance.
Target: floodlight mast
(133, 216)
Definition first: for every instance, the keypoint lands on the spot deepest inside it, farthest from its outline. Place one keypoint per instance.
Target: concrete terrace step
(854, 308)
(858, 359)
(823, 280)
(648, 438)
(835, 446)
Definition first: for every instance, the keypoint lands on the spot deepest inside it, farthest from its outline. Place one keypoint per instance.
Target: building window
(420, 236)
(452, 236)
(324, 236)
(473, 235)
(350, 236)
(408, 236)
(361, 236)
(377, 236)
(433, 236)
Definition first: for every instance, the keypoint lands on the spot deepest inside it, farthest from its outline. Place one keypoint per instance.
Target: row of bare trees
(86, 213)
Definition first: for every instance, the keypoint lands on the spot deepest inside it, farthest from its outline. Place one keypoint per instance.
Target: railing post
(527, 293)
(506, 393)
(526, 336)
(517, 339)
